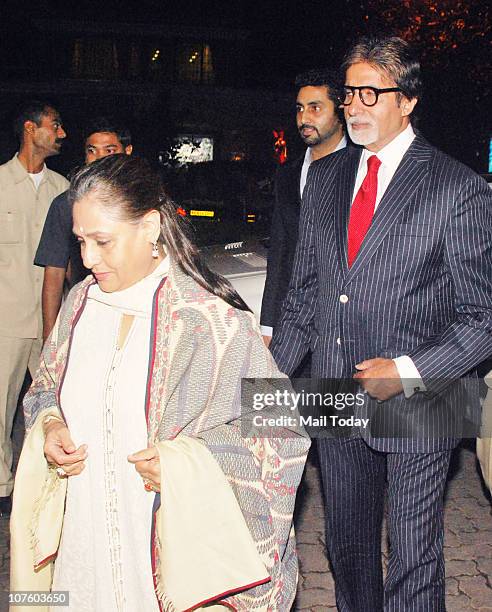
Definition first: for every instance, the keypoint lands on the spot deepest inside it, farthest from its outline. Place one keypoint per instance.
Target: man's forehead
(373, 74)
(103, 137)
(51, 113)
(312, 93)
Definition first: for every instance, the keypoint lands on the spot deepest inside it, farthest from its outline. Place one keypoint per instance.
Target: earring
(155, 250)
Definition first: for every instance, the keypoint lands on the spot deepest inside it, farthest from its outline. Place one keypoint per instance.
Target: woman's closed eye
(99, 243)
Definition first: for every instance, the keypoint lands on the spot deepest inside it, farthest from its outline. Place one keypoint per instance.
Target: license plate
(202, 213)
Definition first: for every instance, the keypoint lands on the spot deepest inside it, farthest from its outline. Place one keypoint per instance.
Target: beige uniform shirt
(23, 210)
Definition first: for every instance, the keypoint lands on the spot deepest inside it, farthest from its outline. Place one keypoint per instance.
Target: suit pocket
(11, 228)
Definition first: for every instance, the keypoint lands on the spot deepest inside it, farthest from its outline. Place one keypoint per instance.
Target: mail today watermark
(341, 407)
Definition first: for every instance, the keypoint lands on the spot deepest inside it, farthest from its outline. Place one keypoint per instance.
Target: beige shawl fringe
(37, 516)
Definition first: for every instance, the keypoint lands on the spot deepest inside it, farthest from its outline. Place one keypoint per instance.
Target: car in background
(224, 201)
(227, 207)
(244, 264)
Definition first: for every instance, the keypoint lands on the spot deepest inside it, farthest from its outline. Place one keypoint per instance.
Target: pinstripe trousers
(354, 478)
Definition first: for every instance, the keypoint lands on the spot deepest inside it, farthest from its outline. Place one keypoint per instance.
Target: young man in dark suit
(319, 123)
(392, 280)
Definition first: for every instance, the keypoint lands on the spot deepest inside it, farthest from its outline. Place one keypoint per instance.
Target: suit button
(344, 298)
(339, 341)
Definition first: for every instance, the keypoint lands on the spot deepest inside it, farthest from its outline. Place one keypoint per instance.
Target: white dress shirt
(308, 158)
(390, 157)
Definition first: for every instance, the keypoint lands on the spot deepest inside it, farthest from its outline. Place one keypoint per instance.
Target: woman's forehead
(89, 211)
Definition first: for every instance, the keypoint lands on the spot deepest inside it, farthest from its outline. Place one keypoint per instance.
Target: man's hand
(147, 464)
(379, 377)
(60, 450)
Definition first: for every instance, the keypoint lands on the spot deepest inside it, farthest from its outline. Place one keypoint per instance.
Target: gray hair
(392, 56)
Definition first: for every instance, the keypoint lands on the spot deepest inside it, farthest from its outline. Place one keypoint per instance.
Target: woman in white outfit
(138, 392)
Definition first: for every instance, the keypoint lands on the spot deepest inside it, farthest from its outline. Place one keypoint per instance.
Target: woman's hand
(60, 450)
(148, 465)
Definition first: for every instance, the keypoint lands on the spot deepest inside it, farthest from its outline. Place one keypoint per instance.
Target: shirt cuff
(410, 376)
(266, 330)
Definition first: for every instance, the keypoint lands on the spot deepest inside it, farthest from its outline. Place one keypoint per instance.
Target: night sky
(288, 37)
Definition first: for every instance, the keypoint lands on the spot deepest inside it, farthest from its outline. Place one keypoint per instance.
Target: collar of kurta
(135, 300)
(21, 174)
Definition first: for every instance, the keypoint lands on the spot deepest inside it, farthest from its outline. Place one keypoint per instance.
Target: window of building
(95, 58)
(194, 63)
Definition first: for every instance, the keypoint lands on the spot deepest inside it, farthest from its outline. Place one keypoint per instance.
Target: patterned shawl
(201, 348)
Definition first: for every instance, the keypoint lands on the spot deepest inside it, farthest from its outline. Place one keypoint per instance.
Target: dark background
(258, 49)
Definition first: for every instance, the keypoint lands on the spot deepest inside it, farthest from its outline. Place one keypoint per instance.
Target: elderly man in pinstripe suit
(392, 280)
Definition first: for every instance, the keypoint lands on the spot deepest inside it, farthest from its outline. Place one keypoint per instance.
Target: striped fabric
(353, 478)
(420, 286)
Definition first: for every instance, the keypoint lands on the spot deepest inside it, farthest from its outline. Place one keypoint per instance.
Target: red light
(181, 211)
(279, 146)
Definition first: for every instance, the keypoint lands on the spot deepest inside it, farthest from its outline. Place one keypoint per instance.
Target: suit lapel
(344, 189)
(398, 194)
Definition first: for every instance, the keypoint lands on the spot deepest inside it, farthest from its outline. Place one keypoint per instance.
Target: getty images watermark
(340, 408)
(298, 403)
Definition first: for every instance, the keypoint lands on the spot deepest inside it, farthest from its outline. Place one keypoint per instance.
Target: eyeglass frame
(374, 89)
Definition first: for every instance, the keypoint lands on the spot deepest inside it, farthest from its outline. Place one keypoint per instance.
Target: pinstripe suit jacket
(420, 286)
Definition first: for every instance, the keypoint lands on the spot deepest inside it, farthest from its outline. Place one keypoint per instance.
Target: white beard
(363, 137)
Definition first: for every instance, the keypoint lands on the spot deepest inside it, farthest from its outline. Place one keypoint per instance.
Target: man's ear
(407, 105)
(128, 149)
(29, 126)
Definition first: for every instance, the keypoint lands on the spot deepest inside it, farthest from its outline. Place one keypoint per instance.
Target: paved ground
(468, 540)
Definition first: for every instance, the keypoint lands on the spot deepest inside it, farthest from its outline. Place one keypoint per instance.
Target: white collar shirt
(390, 157)
(308, 159)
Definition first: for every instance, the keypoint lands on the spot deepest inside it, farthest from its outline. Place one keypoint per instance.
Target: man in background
(27, 187)
(320, 126)
(58, 251)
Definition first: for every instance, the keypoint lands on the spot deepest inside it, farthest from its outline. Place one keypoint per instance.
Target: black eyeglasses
(368, 95)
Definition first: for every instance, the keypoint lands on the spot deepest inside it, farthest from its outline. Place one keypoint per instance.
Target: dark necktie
(362, 209)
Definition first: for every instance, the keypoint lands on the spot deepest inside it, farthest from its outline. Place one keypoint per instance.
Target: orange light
(279, 146)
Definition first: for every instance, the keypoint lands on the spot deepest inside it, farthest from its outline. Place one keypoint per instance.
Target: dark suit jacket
(421, 285)
(283, 240)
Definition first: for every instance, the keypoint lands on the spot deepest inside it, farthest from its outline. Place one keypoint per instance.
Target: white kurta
(104, 557)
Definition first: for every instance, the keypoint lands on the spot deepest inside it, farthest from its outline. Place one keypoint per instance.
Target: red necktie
(362, 209)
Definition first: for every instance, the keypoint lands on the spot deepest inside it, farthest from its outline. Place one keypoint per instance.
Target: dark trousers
(354, 478)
